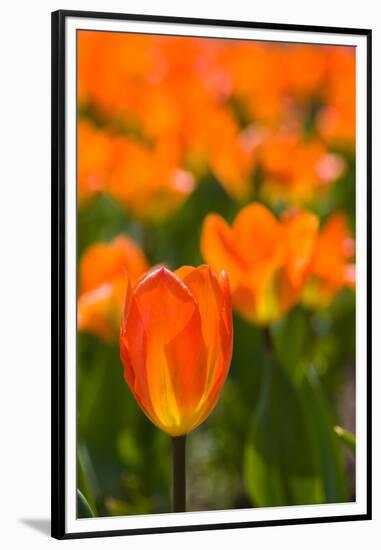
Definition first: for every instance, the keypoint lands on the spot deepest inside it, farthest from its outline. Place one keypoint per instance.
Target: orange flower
(305, 68)
(337, 120)
(332, 269)
(93, 160)
(102, 284)
(267, 260)
(111, 59)
(231, 153)
(148, 181)
(257, 77)
(208, 100)
(296, 170)
(176, 344)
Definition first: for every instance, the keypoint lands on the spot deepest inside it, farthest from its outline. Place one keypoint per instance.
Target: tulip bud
(176, 344)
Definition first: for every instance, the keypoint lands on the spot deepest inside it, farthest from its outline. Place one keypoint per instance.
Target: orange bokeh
(102, 273)
(94, 161)
(295, 170)
(148, 180)
(223, 106)
(332, 267)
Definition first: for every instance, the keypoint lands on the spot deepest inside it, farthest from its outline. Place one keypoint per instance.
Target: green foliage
(290, 339)
(291, 456)
(279, 464)
(327, 452)
(346, 437)
(83, 507)
(117, 444)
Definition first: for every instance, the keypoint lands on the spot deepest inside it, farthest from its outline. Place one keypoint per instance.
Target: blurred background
(171, 129)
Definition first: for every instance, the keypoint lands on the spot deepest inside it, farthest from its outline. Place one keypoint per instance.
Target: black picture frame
(58, 251)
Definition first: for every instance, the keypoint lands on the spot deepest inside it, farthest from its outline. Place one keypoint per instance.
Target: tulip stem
(178, 473)
(268, 340)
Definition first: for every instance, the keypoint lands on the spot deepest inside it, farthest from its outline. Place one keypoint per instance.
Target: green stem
(268, 340)
(346, 437)
(178, 473)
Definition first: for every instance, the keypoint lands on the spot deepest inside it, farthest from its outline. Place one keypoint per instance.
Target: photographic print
(211, 359)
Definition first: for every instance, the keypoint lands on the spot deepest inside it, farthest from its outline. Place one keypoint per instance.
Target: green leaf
(327, 451)
(346, 437)
(83, 507)
(279, 463)
(289, 338)
(86, 478)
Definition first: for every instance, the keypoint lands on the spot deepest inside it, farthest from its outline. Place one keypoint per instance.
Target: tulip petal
(256, 298)
(134, 352)
(105, 261)
(102, 281)
(183, 271)
(227, 309)
(166, 346)
(219, 249)
(333, 250)
(301, 235)
(96, 311)
(213, 298)
(258, 235)
(186, 358)
(206, 291)
(126, 304)
(214, 301)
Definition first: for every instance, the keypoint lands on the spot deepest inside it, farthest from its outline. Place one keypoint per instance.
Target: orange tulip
(176, 344)
(148, 181)
(102, 285)
(267, 260)
(205, 100)
(337, 120)
(332, 268)
(93, 160)
(231, 153)
(310, 170)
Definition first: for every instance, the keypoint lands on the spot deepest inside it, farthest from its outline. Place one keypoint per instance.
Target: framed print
(211, 188)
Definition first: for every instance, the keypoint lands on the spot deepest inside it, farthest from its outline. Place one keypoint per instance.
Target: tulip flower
(208, 103)
(102, 284)
(176, 344)
(93, 161)
(336, 121)
(267, 260)
(148, 181)
(332, 268)
(311, 171)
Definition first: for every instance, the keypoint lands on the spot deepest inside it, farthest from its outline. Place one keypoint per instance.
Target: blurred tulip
(198, 100)
(305, 68)
(102, 273)
(267, 260)
(332, 268)
(257, 78)
(176, 344)
(111, 58)
(295, 170)
(94, 160)
(148, 181)
(336, 121)
(231, 154)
